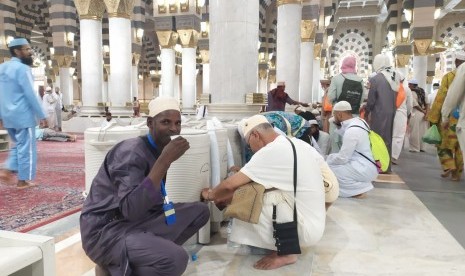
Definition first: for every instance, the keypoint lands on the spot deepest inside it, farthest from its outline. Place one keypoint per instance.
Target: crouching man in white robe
(272, 165)
(352, 165)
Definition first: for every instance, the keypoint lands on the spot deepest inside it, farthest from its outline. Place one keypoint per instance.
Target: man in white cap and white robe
(125, 221)
(49, 101)
(354, 164)
(20, 110)
(272, 165)
(417, 123)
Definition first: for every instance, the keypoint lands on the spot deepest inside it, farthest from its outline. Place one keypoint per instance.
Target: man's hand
(175, 149)
(304, 104)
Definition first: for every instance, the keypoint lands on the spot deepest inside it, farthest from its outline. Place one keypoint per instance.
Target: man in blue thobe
(20, 111)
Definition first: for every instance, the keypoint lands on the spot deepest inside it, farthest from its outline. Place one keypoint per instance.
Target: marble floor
(410, 224)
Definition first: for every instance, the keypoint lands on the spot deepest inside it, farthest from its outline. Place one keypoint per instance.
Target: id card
(170, 214)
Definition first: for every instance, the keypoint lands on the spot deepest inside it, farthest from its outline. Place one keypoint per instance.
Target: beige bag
(247, 203)
(331, 184)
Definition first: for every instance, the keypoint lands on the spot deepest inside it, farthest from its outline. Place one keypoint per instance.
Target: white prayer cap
(281, 83)
(252, 122)
(17, 42)
(460, 55)
(413, 81)
(342, 106)
(161, 104)
(48, 89)
(313, 122)
(315, 112)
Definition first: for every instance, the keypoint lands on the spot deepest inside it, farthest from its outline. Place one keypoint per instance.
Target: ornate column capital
(272, 76)
(135, 59)
(119, 8)
(307, 30)
(421, 46)
(429, 79)
(262, 73)
(205, 55)
(106, 71)
(63, 61)
(189, 38)
(286, 2)
(317, 51)
(90, 9)
(167, 39)
(402, 60)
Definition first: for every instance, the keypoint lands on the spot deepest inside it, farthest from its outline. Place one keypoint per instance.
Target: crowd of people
(129, 225)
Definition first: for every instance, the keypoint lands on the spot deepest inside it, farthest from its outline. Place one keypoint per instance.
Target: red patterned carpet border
(57, 193)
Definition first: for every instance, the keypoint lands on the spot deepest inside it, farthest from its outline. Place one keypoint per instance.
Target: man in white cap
(321, 137)
(446, 115)
(49, 101)
(126, 222)
(277, 99)
(354, 164)
(417, 123)
(272, 166)
(20, 110)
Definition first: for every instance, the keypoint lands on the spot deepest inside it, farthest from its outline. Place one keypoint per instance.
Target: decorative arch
(453, 34)
(355, 42)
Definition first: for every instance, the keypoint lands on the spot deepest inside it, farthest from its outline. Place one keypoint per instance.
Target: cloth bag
(246, 203)
(286, 234)
(432, 136)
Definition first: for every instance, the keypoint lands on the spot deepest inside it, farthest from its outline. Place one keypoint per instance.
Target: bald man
(125, 224)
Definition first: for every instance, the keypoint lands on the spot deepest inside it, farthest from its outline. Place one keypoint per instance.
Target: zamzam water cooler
(98, 141)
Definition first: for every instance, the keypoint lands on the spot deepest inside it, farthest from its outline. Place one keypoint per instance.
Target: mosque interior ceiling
(360, 27)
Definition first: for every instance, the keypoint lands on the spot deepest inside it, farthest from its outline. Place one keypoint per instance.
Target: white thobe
(418, 127)
(400, 123)
(455, 96)
(353, 171)
(272, 166)
(48, 103)
(324, 143)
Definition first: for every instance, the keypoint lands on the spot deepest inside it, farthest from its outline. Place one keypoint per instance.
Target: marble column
(91, 63)
(119, 85)
(288, 45)
(234, 66)
(66, 85)
(316, 91)
(189, 57)
(419, 70)
(135, 76)
(306, 60)
(204, 54)
(167, 40)
(263, 80)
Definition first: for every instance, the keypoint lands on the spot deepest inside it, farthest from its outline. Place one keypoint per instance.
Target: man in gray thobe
(123, 225)
(381, 104)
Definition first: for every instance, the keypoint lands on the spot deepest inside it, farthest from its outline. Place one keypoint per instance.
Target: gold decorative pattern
(402, 60)
(188, 38)
(205, 55)
(307, 30)
(429, 79)
(63, 61)
(106, 68)
(119, 8)
(90, 9)
(286, 2)
(167, 39)
(421, 46)
(317, 51)
(262, 73)
(135, 59)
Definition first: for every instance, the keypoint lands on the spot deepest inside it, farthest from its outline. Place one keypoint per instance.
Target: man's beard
(27, 60)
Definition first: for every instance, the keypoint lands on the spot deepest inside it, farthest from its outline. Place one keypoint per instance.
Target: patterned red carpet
(57, 193)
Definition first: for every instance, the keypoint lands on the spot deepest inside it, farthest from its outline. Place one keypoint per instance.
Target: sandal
(446, 173)
(22, 184)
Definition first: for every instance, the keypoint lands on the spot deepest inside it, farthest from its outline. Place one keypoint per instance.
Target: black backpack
(352, 92)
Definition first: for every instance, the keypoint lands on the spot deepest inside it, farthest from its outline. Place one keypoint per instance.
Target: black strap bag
(286, 235)
(352, 92)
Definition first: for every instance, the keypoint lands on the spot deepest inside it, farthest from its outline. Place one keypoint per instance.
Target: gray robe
(381, 106)
(122, 223)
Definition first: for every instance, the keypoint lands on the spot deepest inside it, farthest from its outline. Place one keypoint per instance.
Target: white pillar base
(232, 111)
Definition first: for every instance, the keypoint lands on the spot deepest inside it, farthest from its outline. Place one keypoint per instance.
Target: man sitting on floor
(352, 165)
(272, 165)
(125, 223)
(47, 134)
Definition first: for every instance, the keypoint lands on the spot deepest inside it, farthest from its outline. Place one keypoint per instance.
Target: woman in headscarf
(381, 105)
